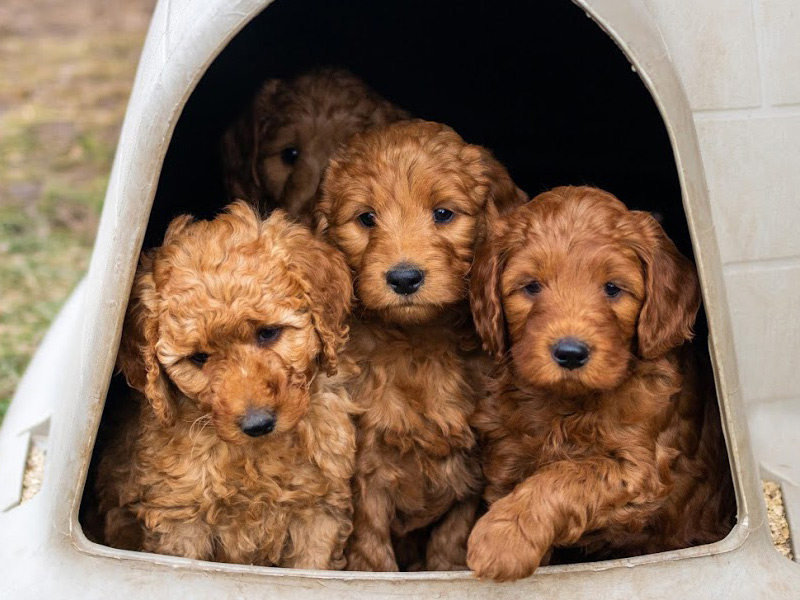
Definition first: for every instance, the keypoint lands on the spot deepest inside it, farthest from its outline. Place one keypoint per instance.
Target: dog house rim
(593, 9)
(730, 543)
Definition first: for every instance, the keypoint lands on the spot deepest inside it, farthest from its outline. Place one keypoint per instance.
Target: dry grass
(34, 472)
(65, 77)
(776, 515)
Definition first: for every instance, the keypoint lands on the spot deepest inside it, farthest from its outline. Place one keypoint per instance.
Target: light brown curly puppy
(243, 448)
(275, 153)
(602, 431)
(407, 203)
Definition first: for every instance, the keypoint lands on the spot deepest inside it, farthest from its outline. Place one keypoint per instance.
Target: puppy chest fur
(672, 441)
(417, 396)
(417, 455)
(204, 498)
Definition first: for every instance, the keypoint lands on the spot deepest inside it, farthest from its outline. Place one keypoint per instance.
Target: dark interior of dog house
(548, 92)
(545, 89)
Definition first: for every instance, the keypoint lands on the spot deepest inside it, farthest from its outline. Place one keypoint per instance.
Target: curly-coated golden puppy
(243, 447)
(602, 431)
(275, 153)
(407, 204)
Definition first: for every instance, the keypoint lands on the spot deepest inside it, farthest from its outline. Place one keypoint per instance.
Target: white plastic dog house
(722, 75)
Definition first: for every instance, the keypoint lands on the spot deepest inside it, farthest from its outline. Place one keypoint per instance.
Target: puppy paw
(375, 561)
(499, 550)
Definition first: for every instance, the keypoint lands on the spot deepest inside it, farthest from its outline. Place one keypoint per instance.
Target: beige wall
(739, 61)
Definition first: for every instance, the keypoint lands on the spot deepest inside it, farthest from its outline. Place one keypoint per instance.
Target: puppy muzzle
(570, 353)
(405, 279)
(257, 422)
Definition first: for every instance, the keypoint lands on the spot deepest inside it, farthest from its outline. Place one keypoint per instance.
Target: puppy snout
(570, 353)
(257, 422)
(405, 279)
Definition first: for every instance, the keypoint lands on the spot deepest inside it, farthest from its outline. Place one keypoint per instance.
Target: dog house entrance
(550, 94)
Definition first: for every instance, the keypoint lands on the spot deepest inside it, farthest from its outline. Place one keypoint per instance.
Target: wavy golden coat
(413, 197)
(601, 432)
(229, 318)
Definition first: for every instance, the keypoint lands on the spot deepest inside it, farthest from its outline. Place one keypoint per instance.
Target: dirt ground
(66, 69)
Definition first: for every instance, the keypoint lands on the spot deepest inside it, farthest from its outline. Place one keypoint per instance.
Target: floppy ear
(137, 352)
(240, 147)
(322, 209)
(485, 299)
(327, 284)
(327, 189)
(333, 298)
(672, 290)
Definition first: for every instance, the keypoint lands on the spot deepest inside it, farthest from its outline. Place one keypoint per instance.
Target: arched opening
(551, 95)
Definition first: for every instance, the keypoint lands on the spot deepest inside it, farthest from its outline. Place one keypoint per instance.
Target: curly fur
(183, 478)
(313, 114)
(417, 462)
(623, 455)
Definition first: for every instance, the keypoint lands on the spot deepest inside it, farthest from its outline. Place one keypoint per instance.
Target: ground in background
(66, 70)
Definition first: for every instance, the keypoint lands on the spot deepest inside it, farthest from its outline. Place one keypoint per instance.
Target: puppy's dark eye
(367, 219)
(290, 155)
(611, 290)
(267, 335)
(199, 358)
(442, 215)
(533, 288)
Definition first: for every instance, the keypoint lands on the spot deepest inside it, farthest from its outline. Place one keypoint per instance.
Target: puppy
(275, 153)
(243, 447)
(601, 432)
(406, 204)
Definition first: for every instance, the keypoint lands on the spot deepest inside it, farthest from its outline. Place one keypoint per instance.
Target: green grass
(36, 277)
(62, 100)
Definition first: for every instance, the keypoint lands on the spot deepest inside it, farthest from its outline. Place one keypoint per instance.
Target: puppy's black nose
(570, 353)
(405, 279)
(257, 422)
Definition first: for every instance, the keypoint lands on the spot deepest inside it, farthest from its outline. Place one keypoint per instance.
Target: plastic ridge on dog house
(60, 401)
